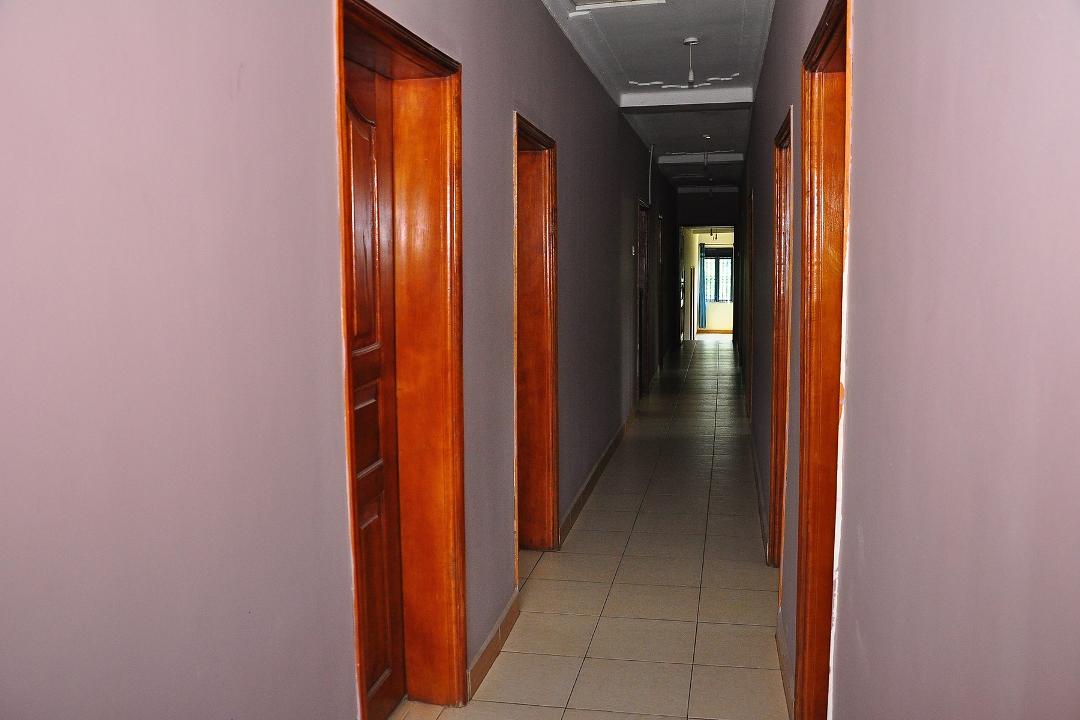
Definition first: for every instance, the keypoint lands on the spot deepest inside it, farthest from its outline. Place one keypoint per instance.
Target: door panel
(536, 353)
(369, 302)
(643, 299)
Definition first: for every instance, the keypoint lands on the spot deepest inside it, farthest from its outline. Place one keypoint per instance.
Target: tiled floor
(660, 604)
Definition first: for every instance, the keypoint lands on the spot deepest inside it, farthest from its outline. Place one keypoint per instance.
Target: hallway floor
(660, 604)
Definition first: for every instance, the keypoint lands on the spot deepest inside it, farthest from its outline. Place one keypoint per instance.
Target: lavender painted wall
(514, 57)
(173, 518)
(173, 522)
(960, 571)
(959, 576)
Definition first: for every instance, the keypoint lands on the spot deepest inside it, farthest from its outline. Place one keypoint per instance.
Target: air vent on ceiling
(581, 5)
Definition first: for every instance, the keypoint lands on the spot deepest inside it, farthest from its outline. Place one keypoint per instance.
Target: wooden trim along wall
(594, 477)
(536, 338)
(426, 88)
(825, 160)
(644, 332)
(494, 644)
(749, 367)
(782, 176)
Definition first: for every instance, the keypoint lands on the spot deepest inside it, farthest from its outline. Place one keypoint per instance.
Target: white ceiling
(635, 48)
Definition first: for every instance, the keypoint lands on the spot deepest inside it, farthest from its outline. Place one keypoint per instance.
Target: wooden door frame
(427, 285)
(749, 364)
(781, 368)
(542, 518)
(641, 275)
(825, 161)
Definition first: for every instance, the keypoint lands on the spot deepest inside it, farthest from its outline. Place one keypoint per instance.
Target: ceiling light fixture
(690, 42)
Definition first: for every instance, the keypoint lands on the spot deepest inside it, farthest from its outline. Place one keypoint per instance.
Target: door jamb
(529, 138)
(781, 369)
(642, 296)
(826, 118)
(427, 286)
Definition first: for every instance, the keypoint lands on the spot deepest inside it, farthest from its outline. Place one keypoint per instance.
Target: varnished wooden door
(536, 353)
(369, 329)
(643, 345)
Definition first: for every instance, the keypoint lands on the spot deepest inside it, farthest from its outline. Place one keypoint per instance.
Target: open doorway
(708, 281)
(536, 352)
(399, 123)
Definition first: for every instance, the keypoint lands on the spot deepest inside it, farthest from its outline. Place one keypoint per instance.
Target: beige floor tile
(571, 566)
(527, 560)
(410, 710)
(728, 693)
(625, 484)
(675, 504)
(734, 526)
(596, 542)
(655, 602)
(746, 549)
(684, 487)
(569, 597)
(605, 520)
(575, 714)
(743, 607)
(690, 547)
(614, 502)
(673, 523)
(659, 571)
(750, 646)
(630, 686)
(720, 505)
(480, 710)
(528, 679)
(739, 575)
(664, 641)
(551, 634)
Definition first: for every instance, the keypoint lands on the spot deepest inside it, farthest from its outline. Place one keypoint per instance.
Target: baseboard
(787, 669)
(714, 332)
(594, 477)
(493, 645)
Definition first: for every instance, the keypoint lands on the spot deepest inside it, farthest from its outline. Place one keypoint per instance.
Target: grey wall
(173, 521)
(173, 518)
(959, 577)
(528, 65)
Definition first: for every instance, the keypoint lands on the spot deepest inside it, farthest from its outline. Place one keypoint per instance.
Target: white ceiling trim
(586, 6)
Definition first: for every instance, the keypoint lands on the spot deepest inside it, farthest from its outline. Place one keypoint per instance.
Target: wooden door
(536, 349)
(825, 159)
(781, 338)
(369, 330)
(643, 298)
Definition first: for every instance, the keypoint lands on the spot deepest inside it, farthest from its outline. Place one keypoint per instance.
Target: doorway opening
(400, 162)
(536, 339)
(709, 289)
(825, 155)
(781, 370)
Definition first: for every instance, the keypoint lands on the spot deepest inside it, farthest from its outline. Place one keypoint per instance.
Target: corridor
(660, 604)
